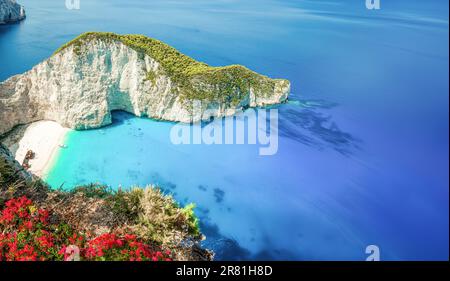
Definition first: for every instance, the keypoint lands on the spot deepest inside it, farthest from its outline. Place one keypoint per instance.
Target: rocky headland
(96, 73)
(10, 11)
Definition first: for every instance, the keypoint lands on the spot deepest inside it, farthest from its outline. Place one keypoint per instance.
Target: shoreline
(44, 139)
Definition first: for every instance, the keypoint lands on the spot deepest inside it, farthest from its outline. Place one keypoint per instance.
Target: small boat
(62, 145)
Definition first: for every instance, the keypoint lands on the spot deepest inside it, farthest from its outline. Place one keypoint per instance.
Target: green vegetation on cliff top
(195, 80)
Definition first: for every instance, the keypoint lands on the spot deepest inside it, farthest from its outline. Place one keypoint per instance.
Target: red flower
(130, 237)
(28, 225)
(43, 215)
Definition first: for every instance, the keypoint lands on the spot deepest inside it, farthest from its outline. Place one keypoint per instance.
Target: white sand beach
(44, 139)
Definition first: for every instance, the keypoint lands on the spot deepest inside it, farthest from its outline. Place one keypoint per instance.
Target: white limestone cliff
(80, 90)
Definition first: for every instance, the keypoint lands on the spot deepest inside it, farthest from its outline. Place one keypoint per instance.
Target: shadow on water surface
(226, 248)
(120, 117)
(10, 26)
(307, 122)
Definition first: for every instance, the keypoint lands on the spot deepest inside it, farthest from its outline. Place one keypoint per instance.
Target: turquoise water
(363, 150)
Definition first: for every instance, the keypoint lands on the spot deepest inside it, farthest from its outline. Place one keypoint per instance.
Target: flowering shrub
(27, 235)
(112, 247)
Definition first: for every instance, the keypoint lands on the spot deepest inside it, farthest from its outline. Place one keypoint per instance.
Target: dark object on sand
(28, 156)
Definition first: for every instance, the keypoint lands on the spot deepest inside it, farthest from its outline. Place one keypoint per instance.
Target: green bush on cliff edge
(195, 80)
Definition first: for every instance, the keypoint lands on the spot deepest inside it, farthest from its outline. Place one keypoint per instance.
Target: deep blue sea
(363, 154)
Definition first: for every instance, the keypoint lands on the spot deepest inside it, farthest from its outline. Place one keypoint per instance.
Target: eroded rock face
(10, 170)
(10, 11)
(80, 90)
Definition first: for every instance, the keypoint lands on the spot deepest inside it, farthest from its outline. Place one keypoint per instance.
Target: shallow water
(363, 148)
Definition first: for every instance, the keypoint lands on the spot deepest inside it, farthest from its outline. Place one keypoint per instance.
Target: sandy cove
(44, 139)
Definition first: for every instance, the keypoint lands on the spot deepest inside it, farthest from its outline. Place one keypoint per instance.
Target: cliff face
(10, 11)
(10, 170)
(86, 79)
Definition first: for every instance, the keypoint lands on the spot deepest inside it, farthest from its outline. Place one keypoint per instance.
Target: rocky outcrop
(96, 73)
(10, 11)
(10, 170)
